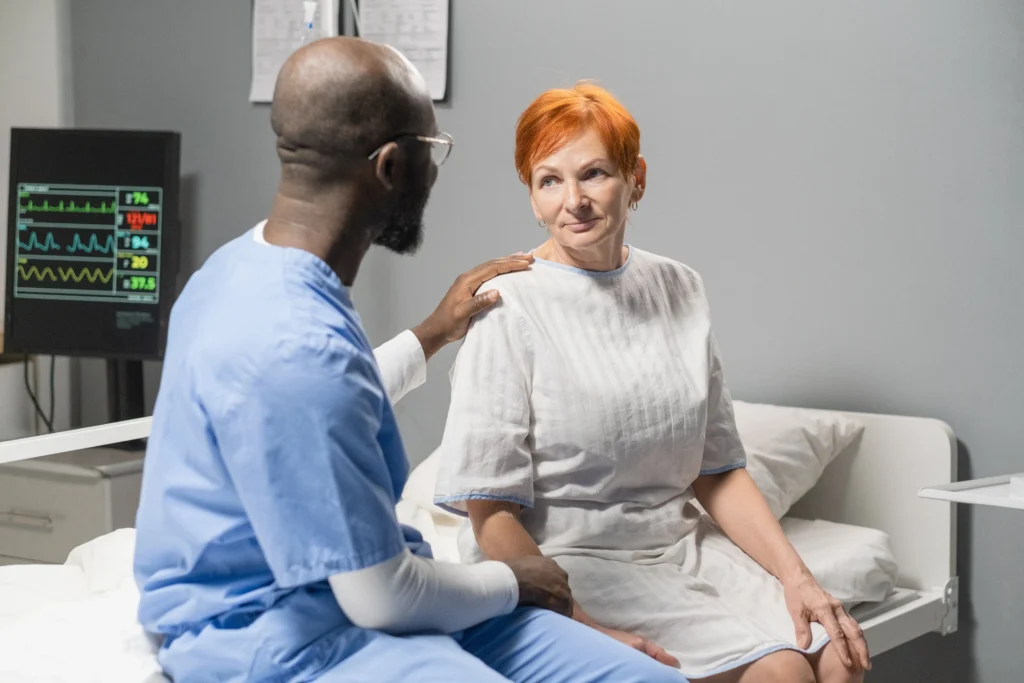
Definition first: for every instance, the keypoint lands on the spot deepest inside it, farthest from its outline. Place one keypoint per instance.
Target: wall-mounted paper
(277, 31)
(416, 28)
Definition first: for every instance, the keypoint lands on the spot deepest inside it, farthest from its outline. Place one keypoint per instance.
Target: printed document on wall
(277, 31)
(416, 28)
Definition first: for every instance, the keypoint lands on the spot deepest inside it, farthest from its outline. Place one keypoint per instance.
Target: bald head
(338, 99)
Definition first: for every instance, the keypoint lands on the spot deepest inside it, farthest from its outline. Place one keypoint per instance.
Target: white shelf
(990, 491)
(74, 440)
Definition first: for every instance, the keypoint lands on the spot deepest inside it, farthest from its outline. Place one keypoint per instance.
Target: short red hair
(559, 115)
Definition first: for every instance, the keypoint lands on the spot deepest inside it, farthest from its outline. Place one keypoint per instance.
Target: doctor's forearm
(409, 593)
(737, 505)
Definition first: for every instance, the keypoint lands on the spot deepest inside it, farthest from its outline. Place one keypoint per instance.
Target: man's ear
(640, 176)
(386, 164)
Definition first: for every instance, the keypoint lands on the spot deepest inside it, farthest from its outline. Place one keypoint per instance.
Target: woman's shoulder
(520, 282)
(675, 274)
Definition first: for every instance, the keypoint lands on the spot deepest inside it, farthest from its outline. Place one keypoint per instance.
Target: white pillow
(855, 564)
(788, 448)
(106, 561)
(439, 527)
(419, 488)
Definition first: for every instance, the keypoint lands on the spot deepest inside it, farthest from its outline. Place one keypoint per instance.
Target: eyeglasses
(440, 147)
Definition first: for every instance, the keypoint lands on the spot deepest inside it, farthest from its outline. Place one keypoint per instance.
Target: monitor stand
(125, 397)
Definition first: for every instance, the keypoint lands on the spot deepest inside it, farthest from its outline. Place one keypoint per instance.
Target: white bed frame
(874, 484)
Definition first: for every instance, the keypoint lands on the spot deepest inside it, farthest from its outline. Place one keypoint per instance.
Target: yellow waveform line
(90, 274)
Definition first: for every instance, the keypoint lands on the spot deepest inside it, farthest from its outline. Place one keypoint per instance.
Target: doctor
(267, 545)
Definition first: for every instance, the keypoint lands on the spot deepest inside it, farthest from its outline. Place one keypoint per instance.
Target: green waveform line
(46, 207)
(90, 274)
(76, 245)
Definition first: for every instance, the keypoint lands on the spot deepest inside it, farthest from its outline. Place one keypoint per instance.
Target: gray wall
(194, 56)
(848, 177)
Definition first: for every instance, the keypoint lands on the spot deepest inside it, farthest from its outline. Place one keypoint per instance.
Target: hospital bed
(76, 622)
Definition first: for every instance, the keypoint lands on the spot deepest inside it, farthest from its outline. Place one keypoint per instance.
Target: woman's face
(581, 195)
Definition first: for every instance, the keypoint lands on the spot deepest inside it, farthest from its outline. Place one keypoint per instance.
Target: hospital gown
(274, 463)
(593, 400)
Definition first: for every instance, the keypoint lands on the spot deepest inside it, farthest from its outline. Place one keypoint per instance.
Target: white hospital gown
(594, 400)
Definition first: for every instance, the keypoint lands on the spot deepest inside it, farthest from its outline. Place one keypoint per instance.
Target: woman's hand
(642, 644)
(737, 505)
(807, 602)
(636, 642)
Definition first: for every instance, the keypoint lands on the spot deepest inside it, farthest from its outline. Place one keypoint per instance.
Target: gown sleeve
(484, 452)
(723, 450)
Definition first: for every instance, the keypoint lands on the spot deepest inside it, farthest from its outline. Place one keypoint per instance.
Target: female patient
(589, 409)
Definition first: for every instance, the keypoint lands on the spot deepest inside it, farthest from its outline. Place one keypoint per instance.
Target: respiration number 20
(135, 262)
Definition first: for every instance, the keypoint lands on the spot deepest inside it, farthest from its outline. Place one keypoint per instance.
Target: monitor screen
(93, 240)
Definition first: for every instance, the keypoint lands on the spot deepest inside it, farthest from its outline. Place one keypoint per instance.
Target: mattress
(855, 564)
(898, 597)
(76, 621)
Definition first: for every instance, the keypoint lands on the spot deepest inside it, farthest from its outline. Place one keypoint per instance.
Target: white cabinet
(15, 409)
(52, 504)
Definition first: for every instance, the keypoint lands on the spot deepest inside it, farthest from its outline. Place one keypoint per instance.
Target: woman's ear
(536, 211)
(640, 176)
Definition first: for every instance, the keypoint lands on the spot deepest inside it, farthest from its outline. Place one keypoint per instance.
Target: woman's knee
(784, 666)
(846, 677)
(841, 675)
(829, 669)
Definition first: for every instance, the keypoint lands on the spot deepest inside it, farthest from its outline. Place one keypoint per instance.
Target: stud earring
(542, 224)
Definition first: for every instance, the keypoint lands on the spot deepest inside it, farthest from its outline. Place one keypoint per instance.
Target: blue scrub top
(274, 462)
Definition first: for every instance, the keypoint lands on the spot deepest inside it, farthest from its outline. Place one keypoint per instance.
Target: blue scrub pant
(527, 646)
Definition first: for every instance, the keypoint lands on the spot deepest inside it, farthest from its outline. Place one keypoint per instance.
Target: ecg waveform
(88, 243)
(68, 207)
(50, 244)
(92, 275)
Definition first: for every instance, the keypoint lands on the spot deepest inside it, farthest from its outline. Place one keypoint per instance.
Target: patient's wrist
(794, 575)
(579, 615)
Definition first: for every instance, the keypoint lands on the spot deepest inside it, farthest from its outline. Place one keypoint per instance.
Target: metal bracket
(951, 599)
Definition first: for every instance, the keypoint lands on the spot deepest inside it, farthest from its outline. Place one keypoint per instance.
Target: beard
(403, 228)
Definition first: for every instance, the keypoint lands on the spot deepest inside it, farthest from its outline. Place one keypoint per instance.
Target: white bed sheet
(77, 621)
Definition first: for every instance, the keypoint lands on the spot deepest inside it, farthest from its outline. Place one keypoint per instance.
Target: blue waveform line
(33, 243)
(50, 244)
(93, 245)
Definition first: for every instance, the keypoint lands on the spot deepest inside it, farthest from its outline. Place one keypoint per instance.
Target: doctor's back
(247, 506)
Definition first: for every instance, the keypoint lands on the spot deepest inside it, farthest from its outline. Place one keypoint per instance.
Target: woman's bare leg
(784, 666)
